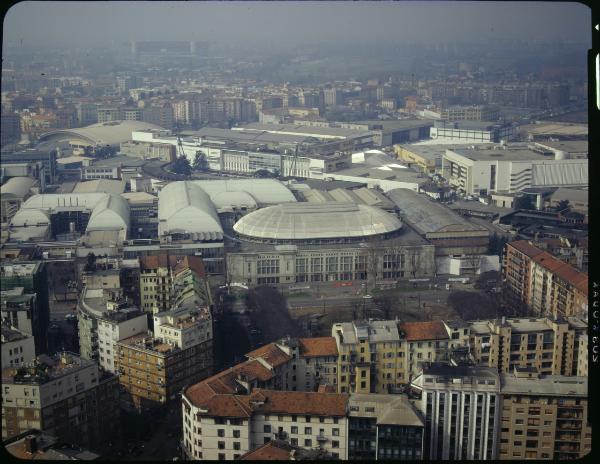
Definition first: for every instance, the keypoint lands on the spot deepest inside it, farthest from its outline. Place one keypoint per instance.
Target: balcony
(321, 438)
(569, 415)
(568, 425)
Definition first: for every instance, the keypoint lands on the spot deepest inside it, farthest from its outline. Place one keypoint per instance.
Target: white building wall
(18, 351)
(111, 332)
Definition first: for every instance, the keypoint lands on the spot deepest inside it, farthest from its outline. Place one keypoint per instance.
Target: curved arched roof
(17, 187)
(108, 133)
(263, 191)
(185, 208)
(302, 221)
(233, 199)
(108, 211)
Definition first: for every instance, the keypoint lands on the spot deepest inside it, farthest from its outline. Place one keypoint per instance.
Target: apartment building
(32, 278)
(159, 280)
(223, 426)
(17, 347)
(104, 317)
(383, 427)
(155, 366)
(371, 358)
(469, 113)
(557, 347)
(543, 416)
(542, 283)
(461, 409)
(64, 395)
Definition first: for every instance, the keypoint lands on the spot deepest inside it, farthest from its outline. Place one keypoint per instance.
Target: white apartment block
(183, 327)
(223, 427)
(461, 407)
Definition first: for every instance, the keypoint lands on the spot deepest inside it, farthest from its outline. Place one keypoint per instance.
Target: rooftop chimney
(30, 444)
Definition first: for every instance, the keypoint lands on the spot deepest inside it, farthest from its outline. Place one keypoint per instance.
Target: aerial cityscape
(295, 231)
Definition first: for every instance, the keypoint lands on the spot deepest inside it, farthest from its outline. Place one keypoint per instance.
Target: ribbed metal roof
(183, 207)
(17, 187)
(304, 221)
(108, 212)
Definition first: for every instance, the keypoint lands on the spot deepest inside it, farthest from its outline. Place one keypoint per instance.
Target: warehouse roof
(108, 133)
(491, 154)
(183, 207)
(301, 221)
(307, 131)
(427, 216)
(16, 187)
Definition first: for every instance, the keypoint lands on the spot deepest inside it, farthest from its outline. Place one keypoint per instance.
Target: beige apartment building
(543, 416)
(383, 356)
(543, 284)
(551, 346)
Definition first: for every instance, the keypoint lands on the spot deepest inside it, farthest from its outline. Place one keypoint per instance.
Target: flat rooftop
(428, 216)
(434, 150)
(501, 155)
(556, 129)
(122, 161)
(550, 385)
(569, 146)
(309, 131)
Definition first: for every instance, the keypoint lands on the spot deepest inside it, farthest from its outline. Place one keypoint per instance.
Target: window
(294, 430)
(221, 456)
(307, 418)
(307, 430)
(267, 440)
(236, 445)
(335, 444)
(221, 432)
(294, 441)
(236, 434)
(221, 445)
(335, 432)
(307, 442)
(267, 429)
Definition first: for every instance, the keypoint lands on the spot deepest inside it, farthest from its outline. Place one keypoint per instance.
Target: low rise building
(35, 445)
(464, 131)
(64, 395)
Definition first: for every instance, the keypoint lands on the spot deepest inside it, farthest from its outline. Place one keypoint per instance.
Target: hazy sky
(89, 23)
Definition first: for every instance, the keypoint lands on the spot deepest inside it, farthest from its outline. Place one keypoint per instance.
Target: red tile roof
(526, 248)
(176, 262)
(272, 451)
(414, 331)
(294, 402)
(271, 353)
(318, 346)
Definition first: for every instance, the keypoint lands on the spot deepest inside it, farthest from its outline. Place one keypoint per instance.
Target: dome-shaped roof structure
(185, 208)
(324, 221)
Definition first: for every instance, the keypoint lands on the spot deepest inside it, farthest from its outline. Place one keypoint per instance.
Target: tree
(88, 151)
(497, 243)
(182, 166)
(525, 202)
(200, 162)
